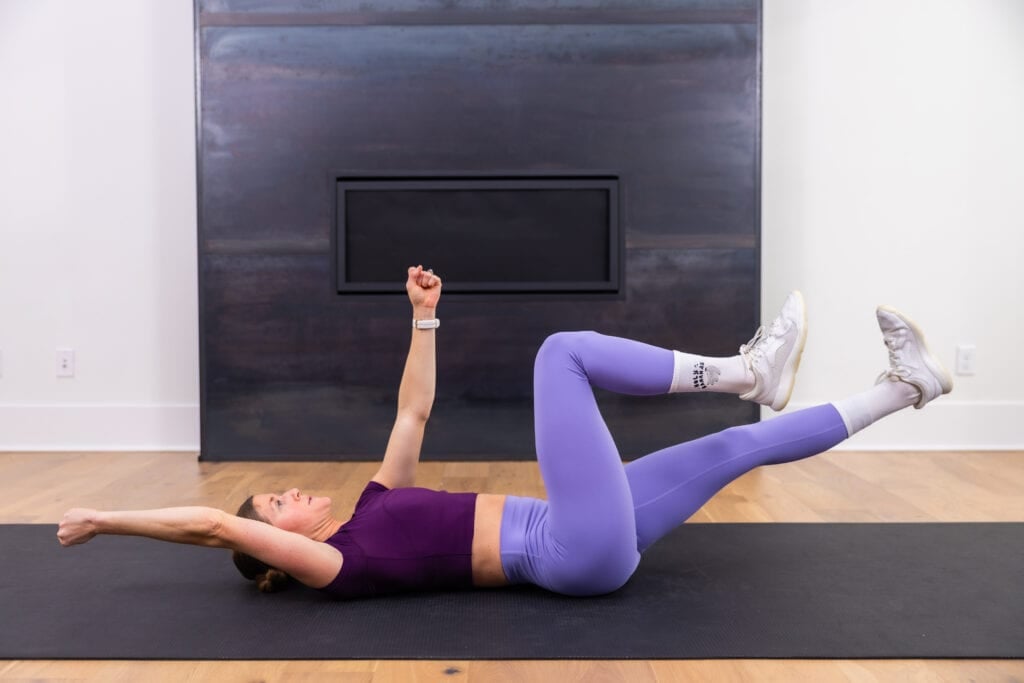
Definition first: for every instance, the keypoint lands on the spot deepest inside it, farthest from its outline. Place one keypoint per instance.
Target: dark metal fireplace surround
(584, 165)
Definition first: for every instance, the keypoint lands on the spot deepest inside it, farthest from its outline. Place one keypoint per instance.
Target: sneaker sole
(930, 361)
(788, 379)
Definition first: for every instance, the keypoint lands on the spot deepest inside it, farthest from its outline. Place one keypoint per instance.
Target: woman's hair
(268, 579)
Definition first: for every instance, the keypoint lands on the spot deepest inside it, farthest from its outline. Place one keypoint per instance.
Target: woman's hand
(77, 526)
(424, 289)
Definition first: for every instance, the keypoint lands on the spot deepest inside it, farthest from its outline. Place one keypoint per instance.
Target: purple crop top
(405, 539)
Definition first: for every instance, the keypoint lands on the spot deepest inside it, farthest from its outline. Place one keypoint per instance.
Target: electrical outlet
(65, 362)
(965, 358)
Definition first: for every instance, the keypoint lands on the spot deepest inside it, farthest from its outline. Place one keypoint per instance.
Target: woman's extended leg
(670, 485)
(589, 544)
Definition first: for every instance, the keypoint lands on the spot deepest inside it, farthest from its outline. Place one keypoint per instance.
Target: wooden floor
(840, 487)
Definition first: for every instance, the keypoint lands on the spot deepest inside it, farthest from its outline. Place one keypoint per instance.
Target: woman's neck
(329, 527)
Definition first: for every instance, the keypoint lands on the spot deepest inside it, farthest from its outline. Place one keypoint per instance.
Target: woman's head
(268, 579)
(293, 511)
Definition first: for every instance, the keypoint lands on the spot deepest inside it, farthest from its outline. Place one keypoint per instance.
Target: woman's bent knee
(565, 345)
(562, 342)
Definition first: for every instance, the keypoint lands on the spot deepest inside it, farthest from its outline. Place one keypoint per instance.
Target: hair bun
(271, 581)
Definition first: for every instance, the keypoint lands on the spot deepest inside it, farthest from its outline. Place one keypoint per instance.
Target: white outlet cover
(966, 356)
(65, 362)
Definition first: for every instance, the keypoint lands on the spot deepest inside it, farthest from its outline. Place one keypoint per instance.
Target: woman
(600, 516)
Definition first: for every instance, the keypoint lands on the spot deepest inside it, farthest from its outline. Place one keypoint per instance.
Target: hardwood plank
(699, 671)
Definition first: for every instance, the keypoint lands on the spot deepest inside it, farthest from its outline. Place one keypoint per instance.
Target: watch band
(430, 324)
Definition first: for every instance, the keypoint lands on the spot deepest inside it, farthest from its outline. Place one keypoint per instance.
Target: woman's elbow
(415, 412)
(211, 527)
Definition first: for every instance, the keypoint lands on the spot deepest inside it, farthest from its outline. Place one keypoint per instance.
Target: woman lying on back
(600, 515)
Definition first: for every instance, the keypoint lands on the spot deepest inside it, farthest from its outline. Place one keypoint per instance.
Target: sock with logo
(693, 373)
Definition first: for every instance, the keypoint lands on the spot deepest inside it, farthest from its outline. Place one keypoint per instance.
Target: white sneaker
(773, 355)
(910, 360)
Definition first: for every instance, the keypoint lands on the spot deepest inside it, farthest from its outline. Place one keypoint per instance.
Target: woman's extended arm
(192, 525)
(416, 392)
(314, 564)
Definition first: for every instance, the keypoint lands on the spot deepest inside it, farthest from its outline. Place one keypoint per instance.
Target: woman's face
(292, 510)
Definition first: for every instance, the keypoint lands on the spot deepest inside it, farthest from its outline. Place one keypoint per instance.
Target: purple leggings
(586, 539)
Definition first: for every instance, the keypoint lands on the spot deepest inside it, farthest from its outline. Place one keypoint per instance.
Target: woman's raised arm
(416, 392)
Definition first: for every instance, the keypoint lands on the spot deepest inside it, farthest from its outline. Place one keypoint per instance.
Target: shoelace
(754, 349)
(896, 368)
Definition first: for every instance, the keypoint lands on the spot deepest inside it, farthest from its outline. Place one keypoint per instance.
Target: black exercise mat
(707, 591)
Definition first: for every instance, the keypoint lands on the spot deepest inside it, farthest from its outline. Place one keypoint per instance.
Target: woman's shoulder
(372, 490)
(369, 499)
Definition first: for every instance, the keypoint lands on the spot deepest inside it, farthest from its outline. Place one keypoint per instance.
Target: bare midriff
(487, 569)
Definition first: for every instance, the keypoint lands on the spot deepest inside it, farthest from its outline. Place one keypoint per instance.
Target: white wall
(97, 224)
(892, 173)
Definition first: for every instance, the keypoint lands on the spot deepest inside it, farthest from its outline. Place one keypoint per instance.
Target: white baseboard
(941, 426)
(96, 427)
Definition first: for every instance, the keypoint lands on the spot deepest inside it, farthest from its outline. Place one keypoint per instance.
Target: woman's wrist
(96, 520)
(423, 313)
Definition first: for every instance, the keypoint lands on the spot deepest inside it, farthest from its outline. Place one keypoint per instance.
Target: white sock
(860, 410)
(694, 373)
